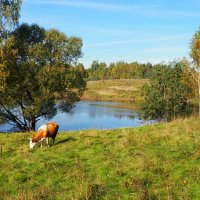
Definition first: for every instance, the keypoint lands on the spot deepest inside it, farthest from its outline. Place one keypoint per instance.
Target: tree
(9, 16)
(190, 78)
(167, 95)
(62, 49)
(195, 54)
(97, 71)
(119, 70)
(82, 70)
(38, 64)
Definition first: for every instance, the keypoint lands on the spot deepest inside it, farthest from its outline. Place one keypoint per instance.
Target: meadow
(128, 90)
(160, 161)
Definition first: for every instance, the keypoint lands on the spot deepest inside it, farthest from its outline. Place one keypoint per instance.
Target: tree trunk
(33, 124)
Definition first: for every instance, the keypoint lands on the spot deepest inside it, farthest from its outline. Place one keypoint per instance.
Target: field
(160, 161)
(128, 90)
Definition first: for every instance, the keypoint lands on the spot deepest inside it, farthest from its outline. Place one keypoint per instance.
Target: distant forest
(118, 70)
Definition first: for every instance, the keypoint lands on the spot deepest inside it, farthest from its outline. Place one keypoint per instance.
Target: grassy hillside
(114, 90)
(160, 161)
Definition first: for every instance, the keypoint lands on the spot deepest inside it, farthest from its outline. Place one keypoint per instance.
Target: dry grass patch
(115, 90)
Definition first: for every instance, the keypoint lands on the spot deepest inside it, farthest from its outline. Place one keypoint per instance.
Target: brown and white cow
(46, 131)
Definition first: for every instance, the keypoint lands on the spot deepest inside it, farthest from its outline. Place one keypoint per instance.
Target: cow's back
(41, 133)
(52, 128)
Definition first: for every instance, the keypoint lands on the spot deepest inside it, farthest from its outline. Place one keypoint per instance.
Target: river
(93, 115)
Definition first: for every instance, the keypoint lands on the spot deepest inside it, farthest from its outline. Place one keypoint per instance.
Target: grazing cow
(45, 132)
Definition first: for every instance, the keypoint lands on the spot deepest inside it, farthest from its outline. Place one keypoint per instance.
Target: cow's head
(31, 143)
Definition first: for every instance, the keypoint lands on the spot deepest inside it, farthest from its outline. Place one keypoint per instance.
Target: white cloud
(109, 31)
(145, 10)
(83, 4)
(143, 40)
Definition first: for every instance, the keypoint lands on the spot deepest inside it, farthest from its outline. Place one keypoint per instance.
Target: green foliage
(38, 68)
(97, 71)
(190, 78)
(119, 70)
(167, 95)
(9, 15)
(195, 48)
(160, 161)
(195, 54)
(82, 70)
(62, 49)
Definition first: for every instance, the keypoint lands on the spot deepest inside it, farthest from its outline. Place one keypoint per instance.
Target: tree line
(118, 70)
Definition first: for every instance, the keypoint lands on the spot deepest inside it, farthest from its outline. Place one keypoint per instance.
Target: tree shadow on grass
(66, 140)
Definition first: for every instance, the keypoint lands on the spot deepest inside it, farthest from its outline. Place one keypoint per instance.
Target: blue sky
(144, 31)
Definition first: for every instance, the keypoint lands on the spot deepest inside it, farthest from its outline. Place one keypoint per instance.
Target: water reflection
(95, 115)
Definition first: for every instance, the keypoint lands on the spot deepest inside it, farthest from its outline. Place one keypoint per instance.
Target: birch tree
(195, 54)
(9, 16)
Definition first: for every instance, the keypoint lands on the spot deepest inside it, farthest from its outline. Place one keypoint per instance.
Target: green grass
(128, 90)
(159, 161)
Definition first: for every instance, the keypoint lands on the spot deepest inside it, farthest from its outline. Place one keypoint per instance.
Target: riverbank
(158, 161)
(124, 90)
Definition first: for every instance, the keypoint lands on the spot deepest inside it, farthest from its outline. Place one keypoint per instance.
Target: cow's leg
(47, 141)
(53, 140)
(41, 142)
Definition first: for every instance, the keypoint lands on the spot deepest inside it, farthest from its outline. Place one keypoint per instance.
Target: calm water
(93, 115)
